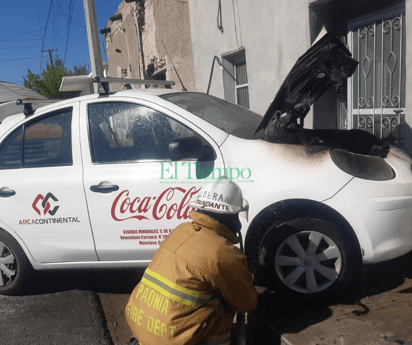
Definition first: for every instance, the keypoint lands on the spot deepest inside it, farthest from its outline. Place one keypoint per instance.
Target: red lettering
(125, 205)
(169, 192)
(135, 201)
(186, 199)
(172, 211)
(171, 203)
(145, 205)
(116, 208)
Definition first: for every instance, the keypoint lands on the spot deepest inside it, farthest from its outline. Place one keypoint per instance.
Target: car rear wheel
(310, 258)
(14, 266)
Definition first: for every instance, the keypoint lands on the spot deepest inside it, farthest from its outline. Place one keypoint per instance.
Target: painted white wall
(273, 33)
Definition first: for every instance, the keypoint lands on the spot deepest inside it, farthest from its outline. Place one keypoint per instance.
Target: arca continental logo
(45, 206)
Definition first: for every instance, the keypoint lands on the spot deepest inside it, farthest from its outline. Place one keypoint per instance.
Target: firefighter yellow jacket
(192, 287)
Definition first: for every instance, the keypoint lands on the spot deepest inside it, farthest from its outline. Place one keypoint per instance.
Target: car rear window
(226, 116)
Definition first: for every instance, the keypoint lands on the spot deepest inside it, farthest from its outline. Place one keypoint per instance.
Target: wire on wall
(219, 17)
(240, 25)
(234, 20)
(216, 59)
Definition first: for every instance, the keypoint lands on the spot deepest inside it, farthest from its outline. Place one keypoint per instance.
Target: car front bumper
(380, 212)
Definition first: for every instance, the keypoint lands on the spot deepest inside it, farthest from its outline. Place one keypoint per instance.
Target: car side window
(42, 142)
(121, 132)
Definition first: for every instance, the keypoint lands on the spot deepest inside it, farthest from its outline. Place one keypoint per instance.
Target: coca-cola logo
(171, 203)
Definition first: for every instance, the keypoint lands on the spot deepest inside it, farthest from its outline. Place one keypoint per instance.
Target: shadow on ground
(282, 313)
(285, 314)
(104, 281)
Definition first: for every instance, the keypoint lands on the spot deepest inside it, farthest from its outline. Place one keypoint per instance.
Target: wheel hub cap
(7, 265)
(308, 262)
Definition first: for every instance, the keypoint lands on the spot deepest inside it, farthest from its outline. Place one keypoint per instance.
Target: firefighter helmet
(222, 196)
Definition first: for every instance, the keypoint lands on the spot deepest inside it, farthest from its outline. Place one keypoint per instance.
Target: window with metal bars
(376, 91)
(237, 88)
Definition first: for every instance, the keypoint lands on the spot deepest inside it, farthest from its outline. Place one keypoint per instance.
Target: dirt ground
(113, 306)
(377, 310)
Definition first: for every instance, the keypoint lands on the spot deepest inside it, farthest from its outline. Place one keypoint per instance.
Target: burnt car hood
(326, 64)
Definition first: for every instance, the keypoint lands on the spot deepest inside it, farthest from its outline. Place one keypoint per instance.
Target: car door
(136, 194)
(41, 191)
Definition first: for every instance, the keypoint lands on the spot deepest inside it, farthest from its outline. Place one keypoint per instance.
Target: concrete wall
(273, 33)
(140, 37)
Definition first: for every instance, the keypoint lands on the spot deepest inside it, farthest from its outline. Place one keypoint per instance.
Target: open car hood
(327, 63)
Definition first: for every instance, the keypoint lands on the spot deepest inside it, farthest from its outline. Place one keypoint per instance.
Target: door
(136, 194)
(376, 91)
(41, 190)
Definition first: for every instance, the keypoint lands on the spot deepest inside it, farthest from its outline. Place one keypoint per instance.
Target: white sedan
(100, 180)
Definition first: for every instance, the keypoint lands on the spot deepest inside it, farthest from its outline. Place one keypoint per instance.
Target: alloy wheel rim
(308, 262)
(8, 265)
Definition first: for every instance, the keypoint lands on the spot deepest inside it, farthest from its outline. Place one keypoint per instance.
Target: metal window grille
(241, 86)
(376, 101)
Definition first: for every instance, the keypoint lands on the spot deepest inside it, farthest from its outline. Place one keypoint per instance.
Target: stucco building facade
(148, 39)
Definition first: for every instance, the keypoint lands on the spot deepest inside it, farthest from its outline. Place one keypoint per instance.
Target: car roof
(127, 93)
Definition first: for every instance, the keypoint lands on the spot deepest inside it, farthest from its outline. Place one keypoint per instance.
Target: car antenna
(183, 87)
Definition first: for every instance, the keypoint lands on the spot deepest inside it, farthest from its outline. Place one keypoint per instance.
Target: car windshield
(227, 116)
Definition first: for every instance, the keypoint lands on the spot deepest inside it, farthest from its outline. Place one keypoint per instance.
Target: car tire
(310, 258)
(15, 268)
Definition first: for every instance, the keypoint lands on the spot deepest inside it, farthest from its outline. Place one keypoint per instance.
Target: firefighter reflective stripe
(173, 291)
(216, 340)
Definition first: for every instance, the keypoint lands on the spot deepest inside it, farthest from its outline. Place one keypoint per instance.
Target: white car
(99, 181)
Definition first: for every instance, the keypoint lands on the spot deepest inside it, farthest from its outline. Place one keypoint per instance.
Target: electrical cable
(38, 14)
(240, 25)
(21, 33)
(183, 87)
(44, 35)
(53, 26)
(29, 58)
(219, 17)
(215, 58)
(234, 20)
(32, 47)
(69, 23)
(28, 39)
(73, 21)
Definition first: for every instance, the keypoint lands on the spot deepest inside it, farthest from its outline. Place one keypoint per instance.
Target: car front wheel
(310, 258)
(14, 266)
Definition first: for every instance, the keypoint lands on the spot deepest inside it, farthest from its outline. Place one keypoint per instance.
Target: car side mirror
(184, 148)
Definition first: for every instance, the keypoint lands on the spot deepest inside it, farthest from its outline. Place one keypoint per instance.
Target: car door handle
(6, 192)
(104, 187)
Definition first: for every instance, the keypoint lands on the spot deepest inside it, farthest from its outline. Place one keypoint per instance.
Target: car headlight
(362, 166)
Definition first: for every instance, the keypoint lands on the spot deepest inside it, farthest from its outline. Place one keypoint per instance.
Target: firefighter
(198, 278)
